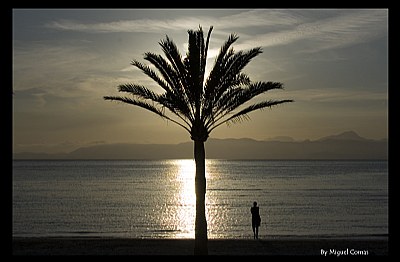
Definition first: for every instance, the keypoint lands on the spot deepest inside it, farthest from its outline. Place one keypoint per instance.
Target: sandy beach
(177, 247)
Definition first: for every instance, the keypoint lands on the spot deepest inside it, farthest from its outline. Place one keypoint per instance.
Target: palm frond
(152, 74)
(216, 74)
(175, 58)
(166, 70)
(192, 64)
(239, 60)
(177, 107)
(167, 100)
(206, 47)
(139, 91)
(173, 55)
(253, 90)
(146, 106)
(234, 98)
(211, 103)
(230, 76)
(243, 114)
(173, 78)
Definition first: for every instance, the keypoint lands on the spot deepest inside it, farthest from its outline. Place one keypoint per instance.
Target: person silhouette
(255, 219)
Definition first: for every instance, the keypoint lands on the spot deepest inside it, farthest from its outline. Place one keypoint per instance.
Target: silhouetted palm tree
(197, 104)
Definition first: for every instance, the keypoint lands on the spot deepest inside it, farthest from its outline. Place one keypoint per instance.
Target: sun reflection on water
(186, 197)
(185, 214)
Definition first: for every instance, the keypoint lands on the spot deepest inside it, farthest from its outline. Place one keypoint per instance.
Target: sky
(333, 64)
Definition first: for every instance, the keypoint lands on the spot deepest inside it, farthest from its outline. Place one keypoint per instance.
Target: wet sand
(66, 246)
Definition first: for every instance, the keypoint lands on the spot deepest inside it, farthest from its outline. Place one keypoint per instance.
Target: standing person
(255, 219)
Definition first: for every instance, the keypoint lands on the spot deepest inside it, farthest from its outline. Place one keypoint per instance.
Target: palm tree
(196, 104)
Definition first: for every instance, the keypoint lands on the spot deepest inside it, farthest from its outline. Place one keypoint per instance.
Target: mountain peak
(347, 135)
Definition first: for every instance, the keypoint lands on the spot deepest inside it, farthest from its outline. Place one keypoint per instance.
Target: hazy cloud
(247, 18)
(337, 95)
(345, 29)
(285, 26)
(126, 26)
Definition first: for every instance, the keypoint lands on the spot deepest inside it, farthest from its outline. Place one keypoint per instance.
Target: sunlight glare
(187, 198)
(186, 213)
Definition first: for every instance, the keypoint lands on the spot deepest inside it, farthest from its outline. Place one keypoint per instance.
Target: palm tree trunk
(201, 240)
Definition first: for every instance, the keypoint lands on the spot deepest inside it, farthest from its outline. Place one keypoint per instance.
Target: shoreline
(296, 246)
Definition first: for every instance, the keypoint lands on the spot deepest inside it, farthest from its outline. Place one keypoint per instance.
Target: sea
(156, 198)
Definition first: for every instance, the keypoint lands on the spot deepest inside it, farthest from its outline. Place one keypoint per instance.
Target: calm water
(155, 199)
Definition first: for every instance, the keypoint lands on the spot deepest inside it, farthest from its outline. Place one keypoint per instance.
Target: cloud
(49, 64)
(344, 29)
(126, 26)
(336, 95)
(46, 70)
(259, 18)
(321, 29)
(243, 19)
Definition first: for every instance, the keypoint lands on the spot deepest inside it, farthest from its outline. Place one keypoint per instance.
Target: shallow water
(155, 199)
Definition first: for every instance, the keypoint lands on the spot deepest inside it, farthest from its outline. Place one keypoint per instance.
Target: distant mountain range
(347, 145)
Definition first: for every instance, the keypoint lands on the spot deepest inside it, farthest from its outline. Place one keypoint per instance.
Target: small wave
(166, 230)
